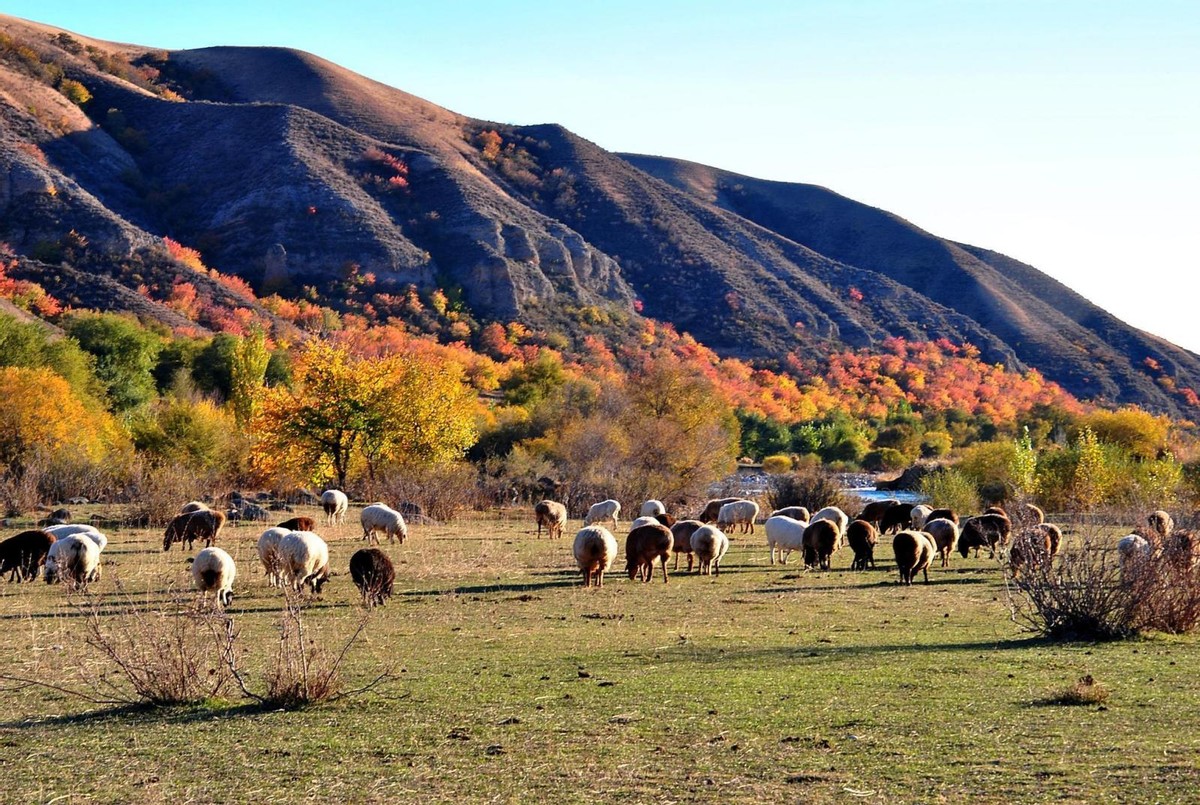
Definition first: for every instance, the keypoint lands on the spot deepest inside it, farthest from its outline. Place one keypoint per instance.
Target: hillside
(294, 174)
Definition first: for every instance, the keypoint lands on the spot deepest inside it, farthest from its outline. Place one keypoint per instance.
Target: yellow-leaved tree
(42, 415)
(345, 413)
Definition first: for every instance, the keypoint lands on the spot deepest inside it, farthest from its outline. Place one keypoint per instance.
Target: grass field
(513, 683)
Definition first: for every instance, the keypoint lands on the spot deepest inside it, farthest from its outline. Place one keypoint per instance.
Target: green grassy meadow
(512, 683)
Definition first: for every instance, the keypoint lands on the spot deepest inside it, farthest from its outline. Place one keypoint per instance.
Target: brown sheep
(666, 519)
(193, 506)
(896, 518)
(985, 531)
(944, 534)
(681, 533)
(645, 544)
(996, 510)
(552, 515)
(187, 528)
(873, 512)
(862, 538)
(713, 508)
(821, 539)
(943, 514)
(23, 555)
(373, 574)
(298, 524)
(1181, 549)
(1030, 547)
(914, 551)
(1160, 523)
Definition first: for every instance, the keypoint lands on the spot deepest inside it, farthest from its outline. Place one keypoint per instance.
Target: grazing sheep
(795, 512)
(712, 509)
(1031, 514)
(647, 520)
(1031, 547)
(945, 537)
(996, 510)
(681, 534)
(193, 506)
(187, 528)
(23, 555)
(381, 517)
(335, 503)
(739, 513)
(83, 529)
(73, 560)
(298, 524)
(821, 539)
(1181, 550)
(1161, 523)
(373, 574)
(552, 515)
(603, 511)
(304, 558)
(942, 514)
(213, 571)
(862, 537)
(785, 534)
(920, 515)
(709, 544)
(873, 512)
(834, 515)
(666, 519)
(914, 551)
(897, 518)
(645, 544)
(984, 531)
(1055, 535)
(595, 551)
(1133, 548)
(652, 507)
(268, 552)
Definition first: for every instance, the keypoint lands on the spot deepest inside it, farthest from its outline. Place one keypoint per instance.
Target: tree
(125, 354)
(345, 412)
(247, 371)
(41, 414)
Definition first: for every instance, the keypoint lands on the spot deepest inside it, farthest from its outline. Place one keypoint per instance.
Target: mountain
(294, 173)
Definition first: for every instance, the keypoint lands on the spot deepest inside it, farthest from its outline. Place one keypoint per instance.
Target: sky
(1065, 134)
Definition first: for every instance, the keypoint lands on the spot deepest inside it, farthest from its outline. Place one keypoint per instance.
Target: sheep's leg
(664, 567)
(772, 553)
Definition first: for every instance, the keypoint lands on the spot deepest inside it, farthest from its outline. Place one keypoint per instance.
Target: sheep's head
(225, 597)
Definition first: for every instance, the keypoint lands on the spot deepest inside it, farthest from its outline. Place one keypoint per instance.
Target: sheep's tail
(210, 576)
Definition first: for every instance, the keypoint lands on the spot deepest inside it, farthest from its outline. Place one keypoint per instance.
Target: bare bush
(19, 491)
(157, 492)
(443, 491)
(814, 490)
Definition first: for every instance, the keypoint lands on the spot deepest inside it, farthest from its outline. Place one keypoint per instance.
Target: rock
(909, 480)
(252, 511)
(61, 514)
(79, 501)
(280, 506)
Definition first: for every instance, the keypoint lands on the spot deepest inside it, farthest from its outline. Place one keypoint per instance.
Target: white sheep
(595, 550)
(652, 507)
(381, 517)
(1161, 523)
(335, 503)
(74, 559)
(945, 536)
(709, 545)
(304, 558)
(920, 514)
(604, 510)
(83, 529)
(835, 515)
(213, 571)
(1132, 550)
(268, 552)
(552, 515)
(739, 513)
(786, 534)
(193, 506)
(646, 519)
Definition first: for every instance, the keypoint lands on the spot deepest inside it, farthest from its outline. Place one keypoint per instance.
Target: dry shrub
(19, 492)
(1085, 691)
(813, 490)
(157, 493)
(443, 491)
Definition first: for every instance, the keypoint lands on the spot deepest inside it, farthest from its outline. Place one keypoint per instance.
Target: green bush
(884, 459)
(813, 490)
(949, 488)
(777, 465)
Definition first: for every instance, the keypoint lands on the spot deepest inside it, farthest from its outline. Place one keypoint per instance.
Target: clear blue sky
(1063, 133)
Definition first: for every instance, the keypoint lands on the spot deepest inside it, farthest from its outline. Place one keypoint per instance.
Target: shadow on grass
(145, 713)
(568, 580)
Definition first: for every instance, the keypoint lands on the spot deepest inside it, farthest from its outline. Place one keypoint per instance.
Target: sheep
(712, 509)
(552, 515)
(381, 517)
(681, 534)
(795, 512)
(1181, 550)
(1161, 523)
(1054, 533)
(205, 525)
(1031, 514)
(23, 555)
(897, 518)
(666, 519)
(335, 503)
(709, 544)
(373, 574)
(861, 536)
(643, 546)
(603, 511)
(193, 506)
(1133, 548)
(595, 550)
(740, 512)
(913, 551)
(984, 531)
(820, 540)
(213, 571)
(785, 534)
(268, 552)
(298, 524)
(942, 514)
(1029, 547)
(646, 520)
(652, 507)
(74, 560)
(920, 515)
(83, 529)
(944, 533)
(304, 558)
(873, 512)
(834, 515)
